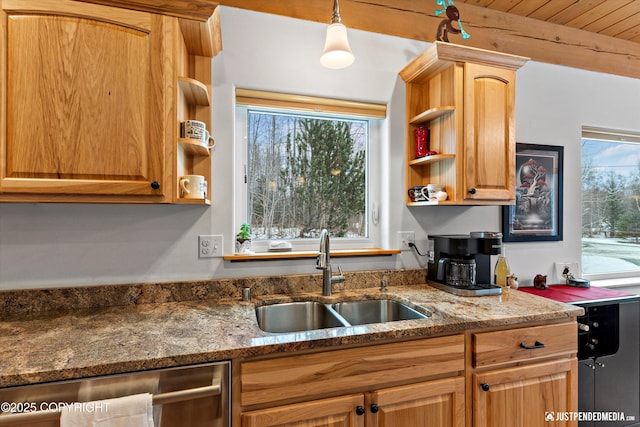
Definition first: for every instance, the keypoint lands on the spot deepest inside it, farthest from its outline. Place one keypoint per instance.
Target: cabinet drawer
(328, 373)
(492, 348)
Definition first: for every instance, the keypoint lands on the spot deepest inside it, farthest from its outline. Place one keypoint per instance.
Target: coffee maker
(461, 263)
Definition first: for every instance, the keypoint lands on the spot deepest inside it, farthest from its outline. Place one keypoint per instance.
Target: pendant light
(336, 53)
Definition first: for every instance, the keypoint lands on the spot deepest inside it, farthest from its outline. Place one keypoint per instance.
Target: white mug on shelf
(193, 187)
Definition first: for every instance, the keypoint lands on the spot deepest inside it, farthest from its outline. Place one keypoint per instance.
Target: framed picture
(537, 214)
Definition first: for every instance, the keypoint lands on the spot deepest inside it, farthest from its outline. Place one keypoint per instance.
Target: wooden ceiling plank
(620, 28)
(481, 3)
(503, 5)
(630, 34)
(526, 8)
(594, 14)
(489, 29)
(550, 9)
(614, 18)
(574, 11)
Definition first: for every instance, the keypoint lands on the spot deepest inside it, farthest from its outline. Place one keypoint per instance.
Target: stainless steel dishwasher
(191, 396)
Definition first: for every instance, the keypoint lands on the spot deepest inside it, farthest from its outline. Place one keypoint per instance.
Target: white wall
(51, 245)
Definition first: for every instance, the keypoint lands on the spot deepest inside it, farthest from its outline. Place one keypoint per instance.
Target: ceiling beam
(494, 30)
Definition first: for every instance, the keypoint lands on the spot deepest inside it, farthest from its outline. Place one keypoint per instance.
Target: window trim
(247, 99)
(620, 136)
(314, 104)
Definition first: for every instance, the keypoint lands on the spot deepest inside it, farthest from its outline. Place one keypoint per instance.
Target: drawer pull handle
(537, 344)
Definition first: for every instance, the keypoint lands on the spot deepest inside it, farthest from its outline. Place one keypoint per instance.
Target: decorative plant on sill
(243, 239)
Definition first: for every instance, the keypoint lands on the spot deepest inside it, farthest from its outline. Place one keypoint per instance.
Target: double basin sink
(310, 315)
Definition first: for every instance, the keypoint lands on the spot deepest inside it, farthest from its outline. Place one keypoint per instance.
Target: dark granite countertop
(59, 345)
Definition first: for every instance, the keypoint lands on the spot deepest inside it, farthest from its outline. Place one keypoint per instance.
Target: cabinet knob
(485, 386)
(155, 185)
(472, 191)
(374, 408)
(360, 410)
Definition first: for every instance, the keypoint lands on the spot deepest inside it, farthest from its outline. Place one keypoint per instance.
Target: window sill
(268, 256)
(613, 283)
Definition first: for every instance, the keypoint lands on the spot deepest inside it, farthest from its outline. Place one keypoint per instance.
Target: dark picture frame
(537, 213)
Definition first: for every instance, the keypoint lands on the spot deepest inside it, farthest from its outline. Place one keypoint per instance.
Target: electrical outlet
(210, 246)
(404, 238)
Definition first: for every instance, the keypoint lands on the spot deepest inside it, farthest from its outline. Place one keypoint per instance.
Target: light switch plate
(574, 268)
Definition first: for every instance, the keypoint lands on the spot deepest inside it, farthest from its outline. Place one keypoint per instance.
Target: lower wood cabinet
(334, 412)
(411, 383)
(507, 377)
(527, 396)
(524, 376)
(432, 403)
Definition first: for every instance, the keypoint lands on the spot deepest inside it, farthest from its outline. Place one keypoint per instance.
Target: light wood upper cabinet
(466, 98)
(489, 133)
(84, 90)
(93, 97)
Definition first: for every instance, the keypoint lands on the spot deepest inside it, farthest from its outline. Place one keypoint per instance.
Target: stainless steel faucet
(323, 262)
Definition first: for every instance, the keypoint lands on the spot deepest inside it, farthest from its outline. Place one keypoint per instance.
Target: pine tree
(326, 177)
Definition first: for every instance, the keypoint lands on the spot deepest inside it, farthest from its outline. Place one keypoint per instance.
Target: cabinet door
(489, 134)
(334, 412)
(434, 403)
(85, 97)
(526, 396)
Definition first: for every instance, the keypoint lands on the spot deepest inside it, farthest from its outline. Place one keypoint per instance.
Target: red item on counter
(564, 293)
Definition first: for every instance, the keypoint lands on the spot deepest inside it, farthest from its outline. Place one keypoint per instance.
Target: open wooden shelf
(194, 147)
(184, 201)
(430, 159)
(195, 92)
(430, 114)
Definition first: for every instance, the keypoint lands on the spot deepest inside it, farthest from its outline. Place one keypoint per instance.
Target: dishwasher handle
(27, 418)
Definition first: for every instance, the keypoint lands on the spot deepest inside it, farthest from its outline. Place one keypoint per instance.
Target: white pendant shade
(337, 53)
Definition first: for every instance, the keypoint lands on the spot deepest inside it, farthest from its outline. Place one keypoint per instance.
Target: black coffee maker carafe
(457, 271)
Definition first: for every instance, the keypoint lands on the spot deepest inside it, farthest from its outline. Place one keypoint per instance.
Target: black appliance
(608, 353)
(609, 362)
(461, 263)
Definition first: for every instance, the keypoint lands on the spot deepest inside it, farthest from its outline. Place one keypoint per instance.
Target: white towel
(128, 411)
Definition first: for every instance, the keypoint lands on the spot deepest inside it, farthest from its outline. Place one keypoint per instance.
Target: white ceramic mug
(193, 187)
(195, 129)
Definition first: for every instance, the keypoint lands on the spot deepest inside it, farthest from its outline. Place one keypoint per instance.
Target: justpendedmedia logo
(588, 416)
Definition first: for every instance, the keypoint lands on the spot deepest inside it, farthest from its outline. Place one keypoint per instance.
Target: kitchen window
(305, 162)
(610, 203)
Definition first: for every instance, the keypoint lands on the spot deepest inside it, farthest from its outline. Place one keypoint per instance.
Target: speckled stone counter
(83, 342)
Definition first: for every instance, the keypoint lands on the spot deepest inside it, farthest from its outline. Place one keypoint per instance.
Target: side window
(610, 203)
